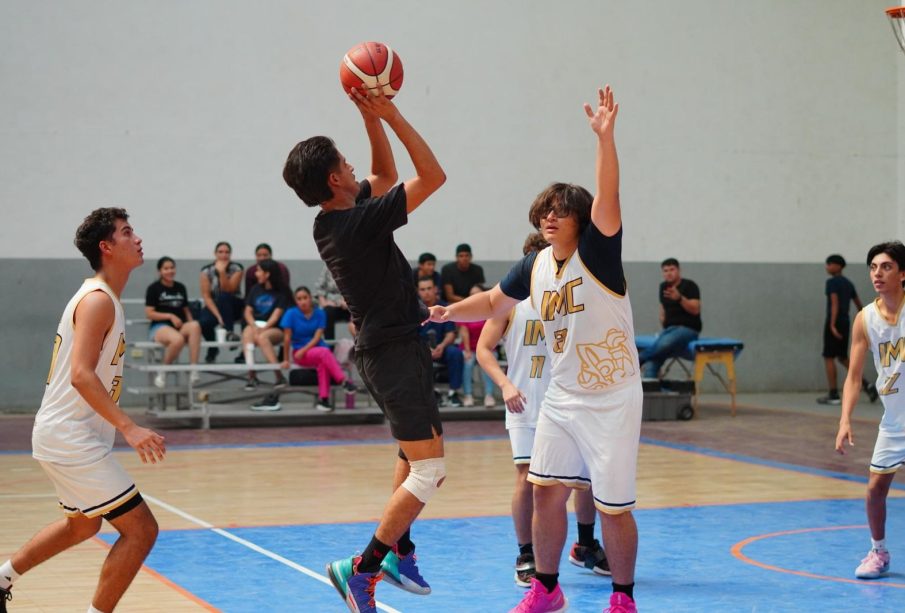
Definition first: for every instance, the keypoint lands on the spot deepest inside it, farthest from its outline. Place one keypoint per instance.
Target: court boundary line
(253, 546)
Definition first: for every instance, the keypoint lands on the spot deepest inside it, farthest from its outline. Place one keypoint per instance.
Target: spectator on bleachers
(172, 325)
(220, 284)
(263, 252)
(441, 339)
(460, 276)
(332, 302)
(303, 331)
(264, 307)
(427, 267)
(470, 332)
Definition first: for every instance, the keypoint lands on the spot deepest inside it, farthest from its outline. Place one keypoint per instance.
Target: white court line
(8, 496)
(252, 546)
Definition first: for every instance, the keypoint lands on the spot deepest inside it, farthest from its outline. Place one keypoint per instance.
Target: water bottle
(350, 399)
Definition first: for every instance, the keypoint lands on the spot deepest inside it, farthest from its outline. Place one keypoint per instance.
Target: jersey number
(537, 366)
(888, 389)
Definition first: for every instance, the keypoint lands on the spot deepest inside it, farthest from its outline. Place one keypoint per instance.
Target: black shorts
(400, 377)
(836, 347)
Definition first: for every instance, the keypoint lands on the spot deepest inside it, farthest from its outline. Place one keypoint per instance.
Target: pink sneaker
(621, 603)
(538, 600)
(875, 564)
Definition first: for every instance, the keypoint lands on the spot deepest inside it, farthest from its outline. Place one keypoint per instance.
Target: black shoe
(872, 393)
(271, 402)
(232, 337)
(280, 382)
(524, 570)
(350, 386)
(211, 356)
(323, 405)
(592, 557)
(251, 385)
(453, 399)
(829, 399)
(4, 596)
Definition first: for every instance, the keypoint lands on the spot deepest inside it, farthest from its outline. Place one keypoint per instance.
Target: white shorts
(522, 440)
(591, 441)
(93, 489)
(889, 452)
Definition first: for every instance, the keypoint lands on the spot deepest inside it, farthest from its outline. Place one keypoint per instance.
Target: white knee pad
(425, 477)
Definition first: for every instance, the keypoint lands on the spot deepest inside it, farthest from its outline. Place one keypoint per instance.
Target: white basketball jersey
(589, 330)
(887, 344)
(526, 353)
(67, 430)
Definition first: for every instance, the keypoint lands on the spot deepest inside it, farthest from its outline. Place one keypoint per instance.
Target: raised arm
(852, 388)
(429, 176)
(383, 166)
(606, 213)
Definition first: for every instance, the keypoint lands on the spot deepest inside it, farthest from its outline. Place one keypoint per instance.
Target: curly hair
(98, 226)
(564, 199)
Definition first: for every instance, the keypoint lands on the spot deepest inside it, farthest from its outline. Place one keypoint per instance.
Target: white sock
(8, 575)
(91, 609)
(878, 545)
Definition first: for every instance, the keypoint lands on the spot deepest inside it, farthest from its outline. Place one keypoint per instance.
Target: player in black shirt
(354, 236)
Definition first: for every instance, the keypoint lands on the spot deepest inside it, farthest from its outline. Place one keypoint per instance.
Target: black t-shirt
(163, 299)
(370, 270)
(844, 289)
(461, 280)
(602, 255)
(264, 302)
(674, 314)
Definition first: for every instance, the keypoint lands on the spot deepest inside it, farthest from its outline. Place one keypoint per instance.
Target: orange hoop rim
(896, 12)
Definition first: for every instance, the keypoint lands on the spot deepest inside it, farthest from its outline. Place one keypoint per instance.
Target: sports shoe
(468, 400)
(211, 355)
(403, 573)
(232, 337)
(489, 401)
(872, 393)
(524, 570)
(251, 385)
(875, 564)
(621, 603)
(271, 402)
(829, 400)
(350, 386)
(538, 600)
(356, 589)
(195, 377)
(280, 382)
(323, 405)
(592, 557)
(4, 596)
(160, 380)
(453, 400)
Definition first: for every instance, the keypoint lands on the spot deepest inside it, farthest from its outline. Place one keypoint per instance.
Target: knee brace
(425, 477)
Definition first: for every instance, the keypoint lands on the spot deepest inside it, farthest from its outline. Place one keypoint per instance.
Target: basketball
(371, 65)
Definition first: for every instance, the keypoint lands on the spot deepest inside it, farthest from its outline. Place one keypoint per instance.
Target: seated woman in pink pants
(303, 330)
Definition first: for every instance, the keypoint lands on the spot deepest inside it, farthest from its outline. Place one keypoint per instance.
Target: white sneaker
(195, 377)
(489, 401)
(468, 401)
(160, 380)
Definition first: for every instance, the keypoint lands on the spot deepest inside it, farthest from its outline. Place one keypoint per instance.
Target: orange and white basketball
(371, 65)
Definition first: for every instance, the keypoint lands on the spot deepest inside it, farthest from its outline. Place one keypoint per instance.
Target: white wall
(756, 131)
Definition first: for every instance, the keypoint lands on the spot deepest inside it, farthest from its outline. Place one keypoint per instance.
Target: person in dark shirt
(354, 236)
(460, 276)
(840, 293)
(427, 267)
(680, 316)
(172, 325)
(441, 340)
(263, 252)
(264, 307)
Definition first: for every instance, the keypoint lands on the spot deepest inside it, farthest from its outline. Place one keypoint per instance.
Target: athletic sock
(91, 609)
(404, 545)
(628, 590)
(548, 580)
(526, 548)
(585, 534)
(372, 556)
(878, 545)
(8, 575)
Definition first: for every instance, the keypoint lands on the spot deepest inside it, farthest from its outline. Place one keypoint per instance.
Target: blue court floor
(796, 556)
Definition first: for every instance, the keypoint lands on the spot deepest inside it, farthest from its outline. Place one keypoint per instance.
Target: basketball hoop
(896, 16)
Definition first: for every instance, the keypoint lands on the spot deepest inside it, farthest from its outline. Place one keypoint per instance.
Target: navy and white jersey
(887, 344)
(526, 354)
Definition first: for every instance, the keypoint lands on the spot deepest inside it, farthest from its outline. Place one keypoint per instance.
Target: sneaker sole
(411, 587)
(339, 590)
(597, 571)
(266, 409)
(882, 573)
(521, 583)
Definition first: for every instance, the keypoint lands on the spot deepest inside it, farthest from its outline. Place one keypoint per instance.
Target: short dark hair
(264, 246)
(307, 168)
(894, 249)
(836, 259)
(98, 226)
(164, 260)
(670, 262)
(427, 278)
(534, 242)
(565, 199)
(426, 257)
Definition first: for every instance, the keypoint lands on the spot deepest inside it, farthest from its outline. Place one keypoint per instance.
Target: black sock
(628, 590)
(404, 545)
(549, 581)
(526, 548)
(372, 556)
(585, 534)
